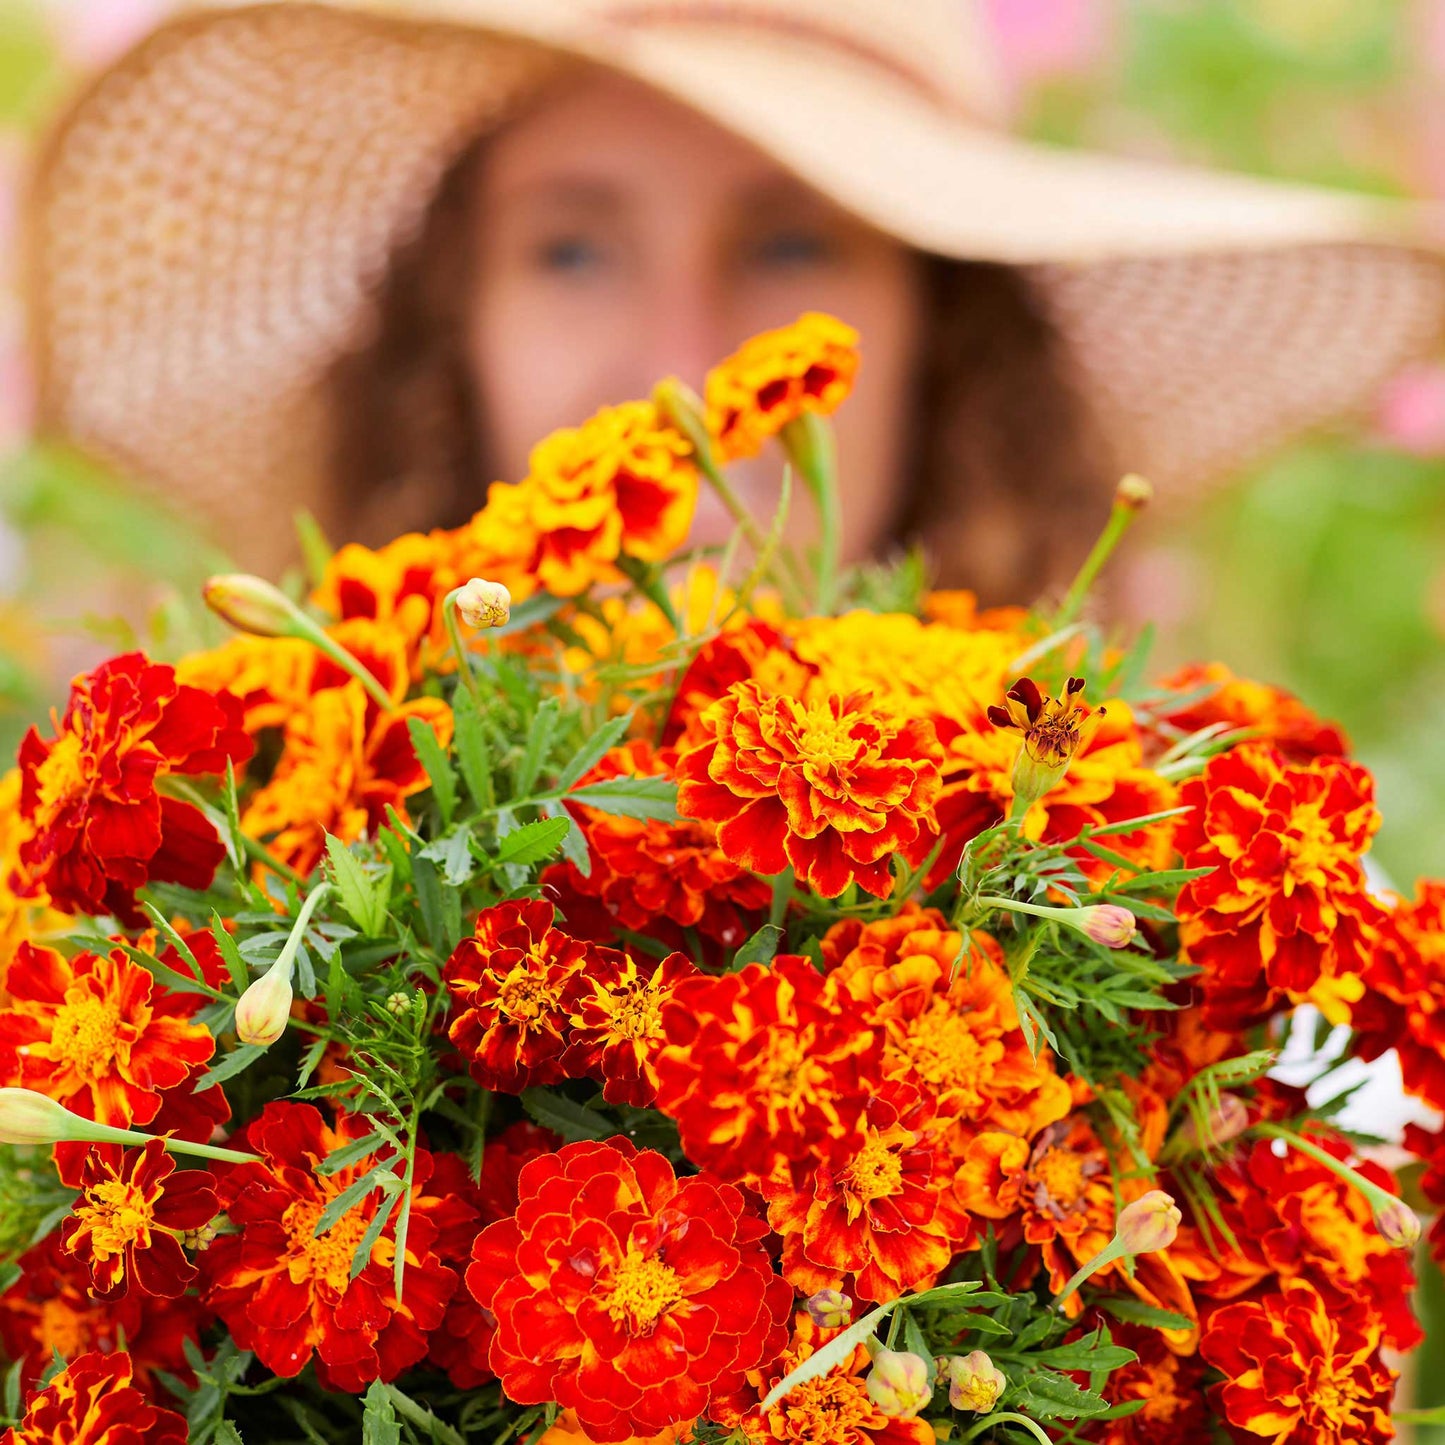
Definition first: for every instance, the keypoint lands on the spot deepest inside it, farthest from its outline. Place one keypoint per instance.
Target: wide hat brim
(209, 217)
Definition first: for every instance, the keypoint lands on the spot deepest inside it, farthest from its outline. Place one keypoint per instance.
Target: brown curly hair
(1008, 481)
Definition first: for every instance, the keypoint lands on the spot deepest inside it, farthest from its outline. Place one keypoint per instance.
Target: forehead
(598, 135)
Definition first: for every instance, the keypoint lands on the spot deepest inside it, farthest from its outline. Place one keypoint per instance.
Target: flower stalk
(264, 1010)
(1131, 496)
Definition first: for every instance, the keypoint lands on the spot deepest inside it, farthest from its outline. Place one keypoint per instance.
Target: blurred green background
(1351, 613)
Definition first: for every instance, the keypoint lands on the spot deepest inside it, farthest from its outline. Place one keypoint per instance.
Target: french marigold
(49, 1310)
(1289, 1216)
(765, 1068)
(98, 827)
(514, 986)
(97, 1033)
(882, 1221)
(831, 1409)
(344, 762)
(1403, 1007)
(20, 917)
(92, 1402)
(1429, 1147)
(634, 1298)
(1302, 1367)
(616, 1024)
(1284, 913)
(776, 377)
(124, 1226)
(287, 1293)
(835, 789)
(653, 877)
(948, 1020)
(623, 484)
(567, 1430)
(1171, 1386)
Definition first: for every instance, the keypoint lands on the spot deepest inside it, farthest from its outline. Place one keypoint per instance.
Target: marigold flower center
(61, 1328)
(829, 1411)
(1309, 847)
(874, 1172)
(643, 1290)
(638, 1015)
(943, 1049)
(827, 740)
(63, 774)
(118, 1214)
(524, 996)
(85, 1034)
(326, 1258)
(1061, 1181)
(1053, 739)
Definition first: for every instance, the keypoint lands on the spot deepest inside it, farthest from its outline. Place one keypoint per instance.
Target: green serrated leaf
(469, 742)
(379, 1425)
(762, 947)
(565, 1116)
(453, 854)
(361, 1255)
(574, 844)
(1135, 1312)
(433, 759)
(1082, 1355)
(230, 954)
(593, 750)
(356, 1191)
(364, 897)
(227, 1434)
(338, 1159)
(631, 797)
(539, 744)
(1050, 1395)
(240, 1058)
(532, 842)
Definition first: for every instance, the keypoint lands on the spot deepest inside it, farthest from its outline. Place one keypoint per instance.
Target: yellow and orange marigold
(634, 1298)
(775, 378)
(92, 1402)
(834, 789)
(1284, 913)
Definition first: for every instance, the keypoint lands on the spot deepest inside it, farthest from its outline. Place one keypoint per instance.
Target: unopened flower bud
(898, 1383)
(398, 1004)
(252, 605)
(199, 1239)
(265, 1008)
(1398, 1224)
(974, 1382)
(830, 1308)
(27, 1117)
(1133, 492)
(1108, 924)
(1148, 1224)
(484, 604)
(1227, 1122)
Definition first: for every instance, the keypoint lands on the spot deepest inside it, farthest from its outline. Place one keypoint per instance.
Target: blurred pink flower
(92, 33)
(1047, 39)
(1410, 413)
(1428, 24)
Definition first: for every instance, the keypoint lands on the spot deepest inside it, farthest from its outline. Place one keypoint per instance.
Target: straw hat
(209, 216)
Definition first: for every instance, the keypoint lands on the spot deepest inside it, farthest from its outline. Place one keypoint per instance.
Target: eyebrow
(576, 192)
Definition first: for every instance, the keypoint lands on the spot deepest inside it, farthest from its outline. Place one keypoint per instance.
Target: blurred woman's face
(622, 238)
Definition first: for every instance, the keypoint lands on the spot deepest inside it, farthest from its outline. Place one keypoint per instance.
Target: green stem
(1016, 905)
(1379, 1198)
(454, 633)
(809, 443)
(354, 665)
(403, 1218)
(258, 852)
(1121, 518)
(287, 957)
(1005, 1417)
(111, 1135)
(1110, 1252)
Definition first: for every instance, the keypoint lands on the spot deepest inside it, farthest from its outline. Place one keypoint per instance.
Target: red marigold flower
(97, 1033)
(92, 1402)
(616, 1024)
(1288, 1215)
(1171, 1386)
(831, 1407)
(1285, 912)
(1302, 1367)
(885, 1219)
(1430, 1147)
(286, 1292)
(515, 984)
(1403, 1007)
(647, 874)
(99, 828)
(765, 1068)
(628, 1295)
(49, 1309)
(774, 378)
(834, 788)
(124, 1226)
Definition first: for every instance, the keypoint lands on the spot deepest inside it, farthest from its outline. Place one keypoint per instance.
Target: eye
(791, 247)
(569, 255)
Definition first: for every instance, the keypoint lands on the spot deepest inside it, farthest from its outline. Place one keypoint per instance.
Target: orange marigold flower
(1302, 1367)
(49, 1310)
(948, 1020)
(1238, 702)
(514, 985)
(882, 1221)
(774, 378)
(20, 917)
(653, 877)
(623, 484)
(92, 1402)
(97, 1033)
(834, 788)
(1290, 1216)
(287, 1293)
(567, 1430)
(1403, 1007)
(125, 1224)
(616, 1023)
(1171, 1386)
(831, 1408)
(1285, 913)
(344, 761)
(765, 1069)
(634, 1298)
(99, 829)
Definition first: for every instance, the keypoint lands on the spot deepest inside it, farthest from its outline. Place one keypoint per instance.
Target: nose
(684, 337)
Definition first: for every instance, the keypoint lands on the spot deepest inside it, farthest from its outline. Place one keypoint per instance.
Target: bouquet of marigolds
(542, 987)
